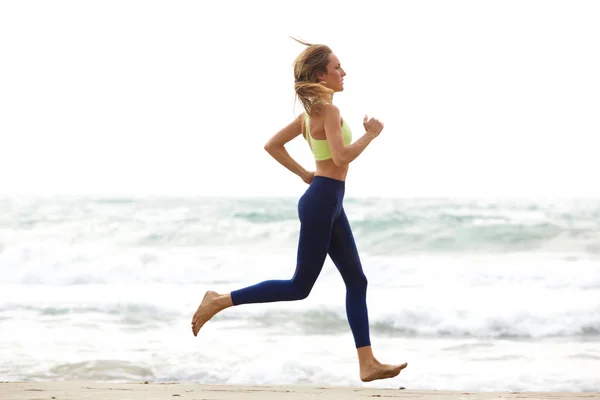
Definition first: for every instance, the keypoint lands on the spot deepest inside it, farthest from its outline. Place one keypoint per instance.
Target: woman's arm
(341, 154)
(276, 147)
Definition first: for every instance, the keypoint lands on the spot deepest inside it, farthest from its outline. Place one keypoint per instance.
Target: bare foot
(206, 310)
(380, 371)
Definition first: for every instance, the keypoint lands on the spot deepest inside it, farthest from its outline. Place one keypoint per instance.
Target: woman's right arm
(276, 148)
(343, 155)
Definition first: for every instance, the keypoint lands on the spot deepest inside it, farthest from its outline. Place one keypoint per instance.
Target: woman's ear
(320, 76)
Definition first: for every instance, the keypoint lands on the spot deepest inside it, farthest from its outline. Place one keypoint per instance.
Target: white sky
(479, 98)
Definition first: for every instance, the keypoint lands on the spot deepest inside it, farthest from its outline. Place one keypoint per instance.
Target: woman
(324, 227)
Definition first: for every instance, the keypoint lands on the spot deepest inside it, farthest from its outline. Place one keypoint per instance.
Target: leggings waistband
(325, 186)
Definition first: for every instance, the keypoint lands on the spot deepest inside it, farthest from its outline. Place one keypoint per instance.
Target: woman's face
(334, 77)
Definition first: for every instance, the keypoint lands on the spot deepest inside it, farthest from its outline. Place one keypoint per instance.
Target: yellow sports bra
(320, 147)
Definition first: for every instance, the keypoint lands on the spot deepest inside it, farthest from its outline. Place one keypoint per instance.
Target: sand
(164, 391)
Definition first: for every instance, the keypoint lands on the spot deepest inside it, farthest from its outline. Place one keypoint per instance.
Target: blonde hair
(313, 60)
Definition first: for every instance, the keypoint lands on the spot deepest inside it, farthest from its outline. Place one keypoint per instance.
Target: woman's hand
(308, 177)
(373, 126)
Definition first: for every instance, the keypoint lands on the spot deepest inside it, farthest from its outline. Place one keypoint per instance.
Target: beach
(476, 296)
(134, 179)
(151, 391)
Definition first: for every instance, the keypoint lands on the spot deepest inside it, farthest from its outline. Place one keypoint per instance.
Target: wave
(126, 314)
(100, 370)
(382, 226)
(581, 323)
(428, 325)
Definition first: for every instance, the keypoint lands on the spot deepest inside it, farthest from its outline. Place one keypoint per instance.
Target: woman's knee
(299, 291)
(359, 282)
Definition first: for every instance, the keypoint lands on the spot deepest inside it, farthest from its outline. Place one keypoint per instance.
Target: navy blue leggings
(324, 229)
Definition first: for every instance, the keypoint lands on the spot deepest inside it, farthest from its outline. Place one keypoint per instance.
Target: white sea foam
(105, 290)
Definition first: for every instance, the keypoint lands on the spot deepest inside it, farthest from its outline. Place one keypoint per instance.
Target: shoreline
(71, 390)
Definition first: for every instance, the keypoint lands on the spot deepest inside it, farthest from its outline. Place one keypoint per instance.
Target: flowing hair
(312, 61)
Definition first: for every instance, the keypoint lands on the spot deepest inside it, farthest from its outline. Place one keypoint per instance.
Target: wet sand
(187, 391)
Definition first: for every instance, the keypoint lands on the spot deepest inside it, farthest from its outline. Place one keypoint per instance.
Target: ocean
(473, 294)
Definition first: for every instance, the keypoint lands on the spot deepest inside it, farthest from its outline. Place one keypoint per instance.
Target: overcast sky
(479, 98)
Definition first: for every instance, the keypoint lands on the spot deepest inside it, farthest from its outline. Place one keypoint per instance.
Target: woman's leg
(344, 254)
(313, 243)
(317, 212)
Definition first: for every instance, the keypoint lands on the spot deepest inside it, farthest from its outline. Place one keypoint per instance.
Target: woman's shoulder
(326, 110)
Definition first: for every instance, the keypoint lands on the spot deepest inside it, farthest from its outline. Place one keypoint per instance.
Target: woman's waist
(326, 189)
(328, 169)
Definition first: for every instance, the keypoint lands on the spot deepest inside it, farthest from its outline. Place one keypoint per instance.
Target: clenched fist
(373, 126)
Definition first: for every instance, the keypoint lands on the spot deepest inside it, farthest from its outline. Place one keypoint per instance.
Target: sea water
(473, 294)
